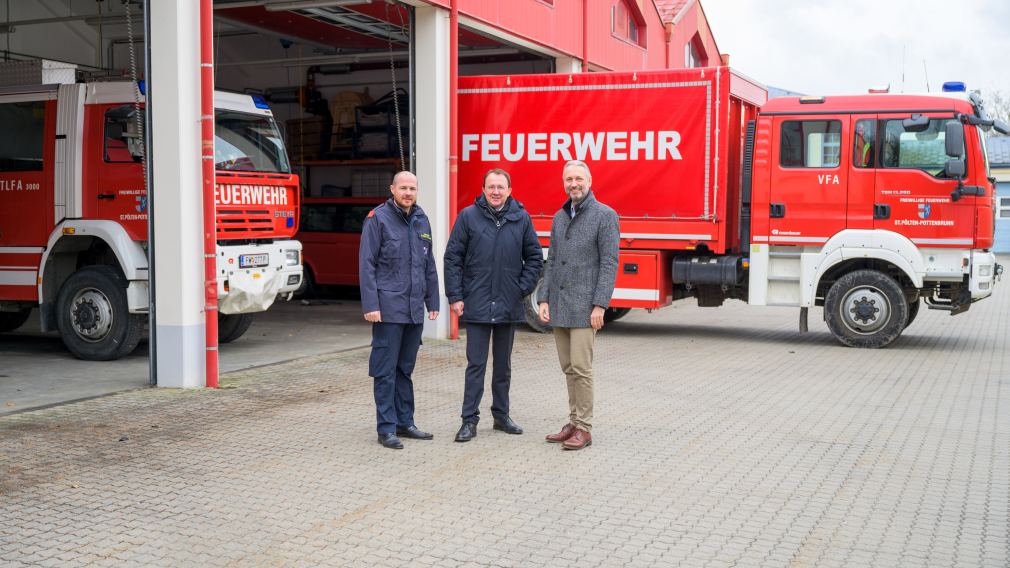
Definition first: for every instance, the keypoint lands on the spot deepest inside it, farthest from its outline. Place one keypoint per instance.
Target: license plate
(253, 260)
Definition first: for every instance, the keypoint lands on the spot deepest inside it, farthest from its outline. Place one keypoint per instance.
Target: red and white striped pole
(453, 134)
(209, 205)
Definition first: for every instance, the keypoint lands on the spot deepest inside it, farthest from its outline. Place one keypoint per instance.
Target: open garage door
(339, 80)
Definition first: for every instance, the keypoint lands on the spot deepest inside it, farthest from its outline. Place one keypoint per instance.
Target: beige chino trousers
(575, 353)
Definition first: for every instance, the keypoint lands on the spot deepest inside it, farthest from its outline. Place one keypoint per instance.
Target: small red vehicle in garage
(330, 230)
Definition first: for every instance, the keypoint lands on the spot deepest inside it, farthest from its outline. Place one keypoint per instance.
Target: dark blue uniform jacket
(396, 266)
(492, 263)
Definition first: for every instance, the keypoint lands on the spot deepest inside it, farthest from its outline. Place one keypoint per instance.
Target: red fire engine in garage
(73, 214)
(860, 204)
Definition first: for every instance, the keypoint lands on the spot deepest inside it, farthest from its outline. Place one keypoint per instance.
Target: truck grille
(243, 223)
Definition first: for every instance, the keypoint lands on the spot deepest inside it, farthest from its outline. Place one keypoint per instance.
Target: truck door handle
(106, 196)
(881, 211)
(778, 210)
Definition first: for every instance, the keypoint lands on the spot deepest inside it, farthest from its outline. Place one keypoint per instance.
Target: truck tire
(530, 310)
(866, 308)
(93, 316)
(913, 310)
(307, 288)
(232, 326)
(9, 321)
(614, 314)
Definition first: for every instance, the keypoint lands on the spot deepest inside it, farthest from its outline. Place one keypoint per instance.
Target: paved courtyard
(723, 438)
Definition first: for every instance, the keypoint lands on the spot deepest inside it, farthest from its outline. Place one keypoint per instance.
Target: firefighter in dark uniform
(396, 268)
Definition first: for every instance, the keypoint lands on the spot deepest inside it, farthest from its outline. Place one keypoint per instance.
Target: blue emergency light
(260, 102)
(290, 222)
(142, 86)
(954, 87)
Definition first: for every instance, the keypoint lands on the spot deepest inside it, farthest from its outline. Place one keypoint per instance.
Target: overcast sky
(846, 46)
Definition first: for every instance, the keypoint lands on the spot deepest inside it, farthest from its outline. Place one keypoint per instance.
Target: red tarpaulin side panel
(655, 142)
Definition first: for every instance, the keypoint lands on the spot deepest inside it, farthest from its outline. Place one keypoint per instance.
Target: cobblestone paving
(722, 438)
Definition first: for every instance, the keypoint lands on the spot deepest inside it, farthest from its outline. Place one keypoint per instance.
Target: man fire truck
(860, 204)
(73, 214)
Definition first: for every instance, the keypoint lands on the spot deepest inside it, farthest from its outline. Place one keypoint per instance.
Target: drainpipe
(585, 36)
(669, 36)
(453, 132)
(209, 206)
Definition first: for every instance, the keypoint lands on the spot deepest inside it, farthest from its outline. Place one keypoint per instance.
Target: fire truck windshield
(248, 143)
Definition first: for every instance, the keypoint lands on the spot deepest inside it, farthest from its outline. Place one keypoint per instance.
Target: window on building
(691, 58)
(864, 145)
(924, 150)
(624, 23)
(1003, 208)
(21, 146)
(810, 144)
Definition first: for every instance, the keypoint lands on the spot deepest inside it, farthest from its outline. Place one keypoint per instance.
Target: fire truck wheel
(9, 321)
(913, 310)
(614, 314)
(530, 310)
(93, 315)
(866, 308)
(231, 326)
(307, 288)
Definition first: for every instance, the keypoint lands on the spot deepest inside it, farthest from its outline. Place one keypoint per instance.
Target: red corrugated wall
(558, 25)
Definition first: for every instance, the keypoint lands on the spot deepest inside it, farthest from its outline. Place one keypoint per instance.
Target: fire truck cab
(74, 213)
(864, 204)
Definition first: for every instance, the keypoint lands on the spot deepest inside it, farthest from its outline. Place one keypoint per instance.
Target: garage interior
(338, 77)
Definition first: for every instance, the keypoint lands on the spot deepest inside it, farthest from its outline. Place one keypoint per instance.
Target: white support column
(567, 65)
(178, 202)
(431, 38)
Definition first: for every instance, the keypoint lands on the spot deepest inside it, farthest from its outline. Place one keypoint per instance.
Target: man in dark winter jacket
(398, 280)
(492, 262)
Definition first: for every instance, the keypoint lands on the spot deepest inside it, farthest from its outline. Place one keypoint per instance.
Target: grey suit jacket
(581, 266)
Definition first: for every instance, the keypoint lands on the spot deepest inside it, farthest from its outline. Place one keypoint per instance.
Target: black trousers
(478, 335)
(394, 352)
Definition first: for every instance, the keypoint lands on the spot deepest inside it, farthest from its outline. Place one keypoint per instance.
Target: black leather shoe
(390, 441)
(466, 432)
(505, 424)
(414, 433)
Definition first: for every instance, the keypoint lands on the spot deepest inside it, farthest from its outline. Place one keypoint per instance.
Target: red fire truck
(73, 214)
(860, 204)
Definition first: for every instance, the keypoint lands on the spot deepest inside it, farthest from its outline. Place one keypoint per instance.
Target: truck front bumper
(251, 277)
(984, 270)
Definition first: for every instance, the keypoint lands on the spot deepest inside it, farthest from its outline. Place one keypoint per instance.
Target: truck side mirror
(954, 139)
(954, 169)
(915, 123)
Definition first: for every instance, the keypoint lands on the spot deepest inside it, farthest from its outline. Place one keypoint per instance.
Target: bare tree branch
(998, 104)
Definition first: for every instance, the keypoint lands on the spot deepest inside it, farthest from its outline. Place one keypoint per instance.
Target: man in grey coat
(579, 277)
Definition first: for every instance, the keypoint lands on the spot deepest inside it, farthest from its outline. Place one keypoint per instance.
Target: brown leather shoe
(561, 436)
(579, 440)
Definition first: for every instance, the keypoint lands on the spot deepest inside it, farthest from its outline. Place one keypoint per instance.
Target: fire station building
(359, 89)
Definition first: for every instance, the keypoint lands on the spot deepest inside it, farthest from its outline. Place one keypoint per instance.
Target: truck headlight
(291, 258)
(984, 271)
